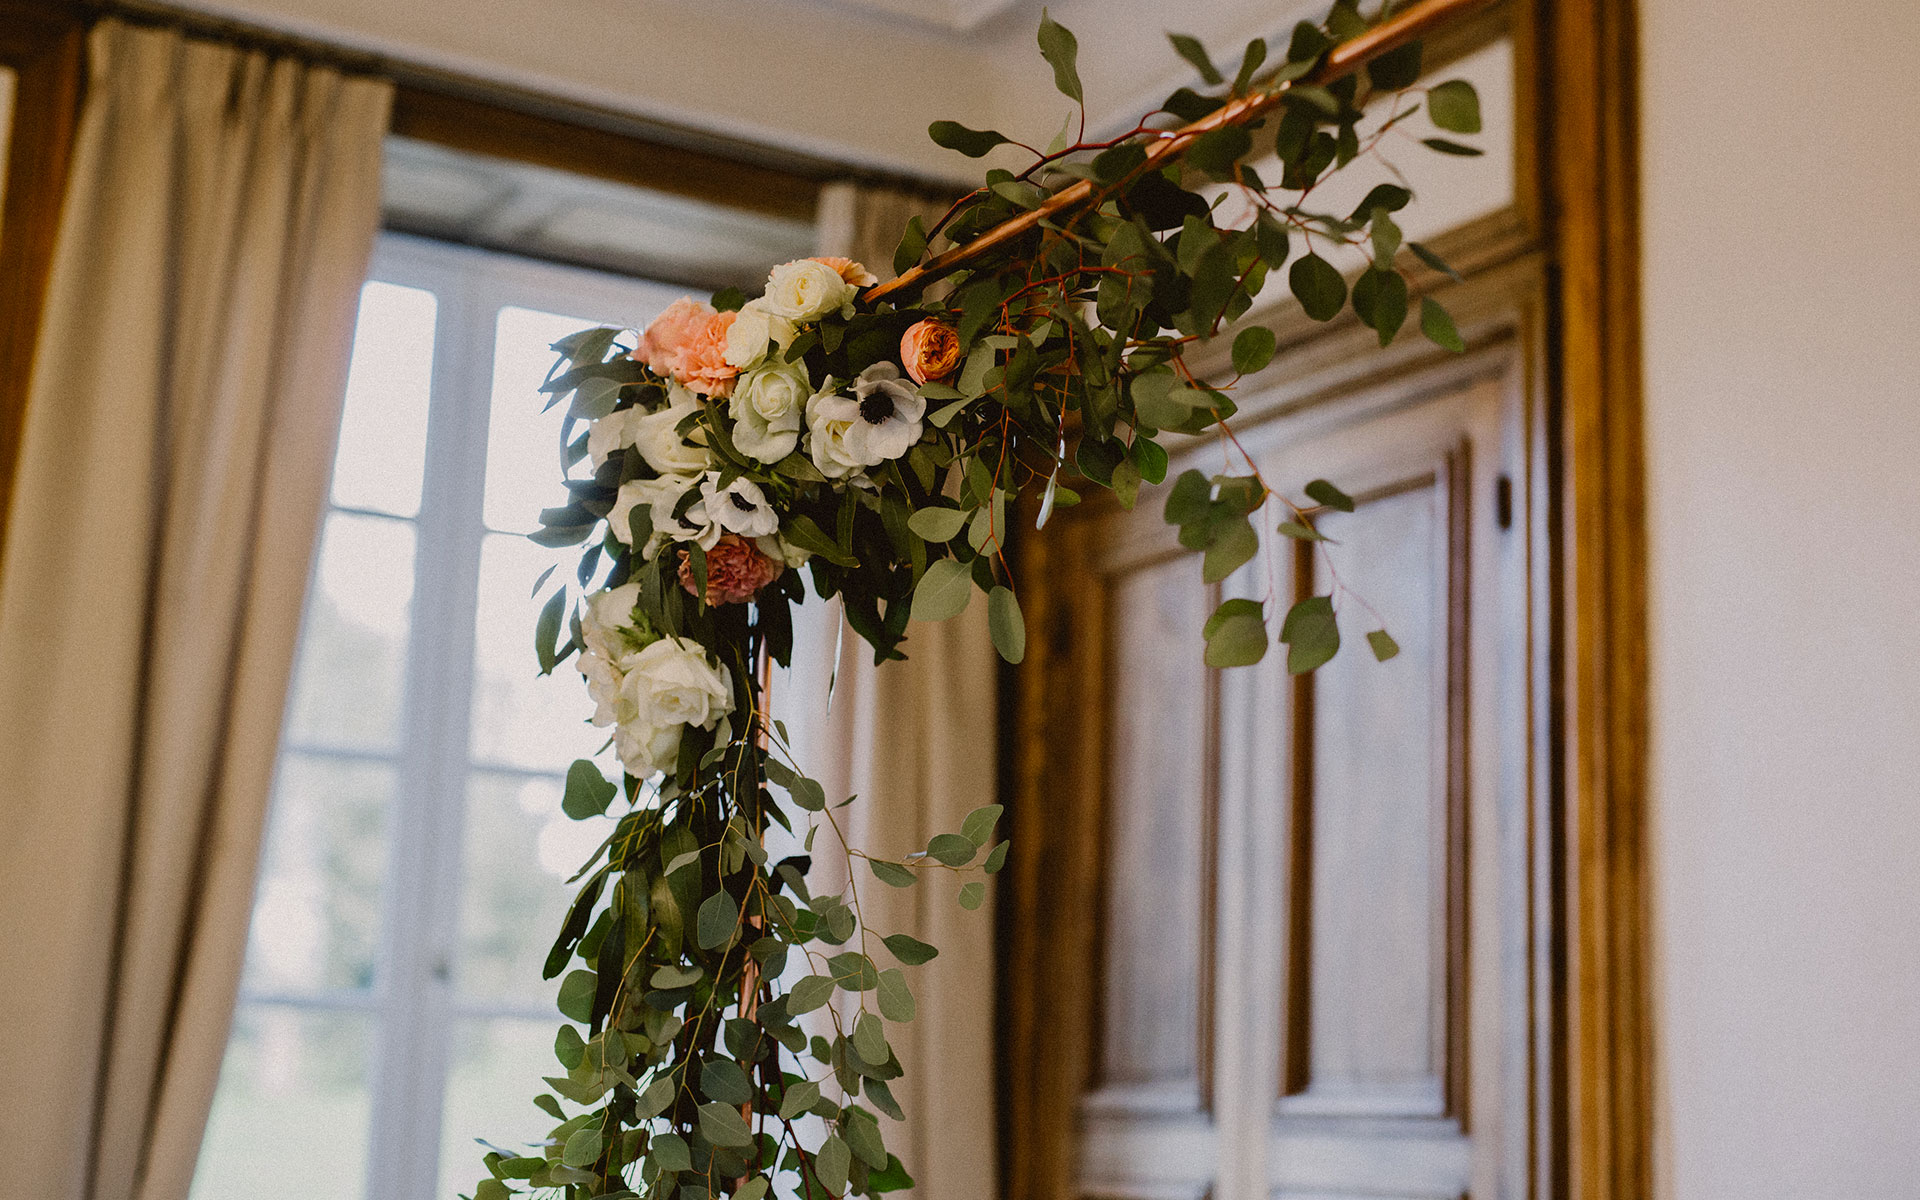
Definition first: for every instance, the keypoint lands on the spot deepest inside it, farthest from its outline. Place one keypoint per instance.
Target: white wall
(1781, 144)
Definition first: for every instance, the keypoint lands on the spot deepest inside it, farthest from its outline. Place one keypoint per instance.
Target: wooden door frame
(44, 45)
(1575, 218)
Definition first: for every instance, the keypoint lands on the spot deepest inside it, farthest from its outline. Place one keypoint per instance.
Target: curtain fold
(915, 740)
(180, 430)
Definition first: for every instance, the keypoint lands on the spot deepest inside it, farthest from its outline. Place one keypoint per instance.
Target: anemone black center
(875, 409)
(740, 502)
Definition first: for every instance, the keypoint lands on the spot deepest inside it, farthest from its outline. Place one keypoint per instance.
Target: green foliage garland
(726, 1029)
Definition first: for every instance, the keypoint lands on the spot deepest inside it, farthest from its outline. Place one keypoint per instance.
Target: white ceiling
(853, 80)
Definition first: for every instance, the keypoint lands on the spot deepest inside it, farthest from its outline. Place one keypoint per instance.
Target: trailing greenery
(727, 1028)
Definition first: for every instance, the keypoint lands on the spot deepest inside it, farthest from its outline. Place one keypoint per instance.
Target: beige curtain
(180, 430)
(915, 741)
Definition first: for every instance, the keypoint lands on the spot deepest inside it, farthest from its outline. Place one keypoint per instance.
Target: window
(391, 1008)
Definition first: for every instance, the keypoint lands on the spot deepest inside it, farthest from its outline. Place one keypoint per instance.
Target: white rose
(739, 507)
(831, 418)
(673, 682)
(805, 290)
(661, 496)
(607, 624)
(753, 329)
(661, 444)
(603, 685)
(611, 434)
(645, 749)
(766, 407)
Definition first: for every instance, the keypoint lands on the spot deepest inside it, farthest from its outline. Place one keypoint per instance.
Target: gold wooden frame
(1570, 244)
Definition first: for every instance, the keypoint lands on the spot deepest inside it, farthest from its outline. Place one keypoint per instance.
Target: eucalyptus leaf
(943, 591)
(1007, 627)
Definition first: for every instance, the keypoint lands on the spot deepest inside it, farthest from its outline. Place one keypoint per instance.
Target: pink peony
(849, 270)
(688, 343)
(736, 570)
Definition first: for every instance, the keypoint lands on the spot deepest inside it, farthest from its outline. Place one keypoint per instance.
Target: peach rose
(850, 270)
(688, 343)
(736, 570)
(930, 351)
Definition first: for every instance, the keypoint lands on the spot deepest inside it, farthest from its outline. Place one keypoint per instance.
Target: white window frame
(412, 1002)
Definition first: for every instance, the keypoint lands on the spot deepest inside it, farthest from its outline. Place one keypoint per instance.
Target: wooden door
(1309, 949)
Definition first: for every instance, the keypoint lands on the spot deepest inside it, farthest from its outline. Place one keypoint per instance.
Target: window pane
(523, 443)
(494, 1074)
(347, 683)
(520, 849)
(383, 433)
(519, 718)
(290, 1118)
(316, 918)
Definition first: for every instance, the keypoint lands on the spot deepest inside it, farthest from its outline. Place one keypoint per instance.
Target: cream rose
(767, 407)
(831, 439)
(608, 625)
(661, 443)
(611, 434)
(647, 749)
(753, 331)
(806, 290)
(674, 682)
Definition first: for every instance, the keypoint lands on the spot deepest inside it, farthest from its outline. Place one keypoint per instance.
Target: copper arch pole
(1344, 59)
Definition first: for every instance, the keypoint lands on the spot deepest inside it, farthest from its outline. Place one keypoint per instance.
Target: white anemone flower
(890, 412)
(739, 507)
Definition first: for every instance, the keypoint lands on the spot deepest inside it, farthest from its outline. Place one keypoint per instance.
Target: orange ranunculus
(930, 351)
(849, 270)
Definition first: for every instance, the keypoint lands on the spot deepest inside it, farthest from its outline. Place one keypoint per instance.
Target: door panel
(1312, 888)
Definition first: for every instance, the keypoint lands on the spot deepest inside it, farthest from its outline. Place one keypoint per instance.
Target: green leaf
(896, 999)
(1433, 260)
(719, 916)
(582, 1148)
(1454, 106)
(1380, 297)
(892, 873)
(729, 299)
(870, 1038)
(1311, 633)
(799, 1097)
(723, 1125)
(809, 993)
(952, 849)
(723, 1079)
(1300, 531)
(973, 895)
(546, 631)
(1317, 284)
(1322, 492)
(1253, 349)
(943, 591)
(1189, 48)
(1060, 49)
(493, 1189)
(831, 1163)
(1236, 634)
(1217, 150)
(1395, 69)
(996, 858)
(909, 949)
(670, 1152)
(752, 1189)
(1234, 545)
(576, 995)
(913, 244)
(978, 825)
(656, 1099)
(938, 524)
(1384, 647)
(1256, 54)
(853, 972)
(588, 793)
(1438, 325)
(862, 1132)
(1008, 627)
(1448, 146)
(1386, 239)
(594, 398)
(568, 1047)
(1189, 499)
(971, 142)
(802, 532)
(1389, 196)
